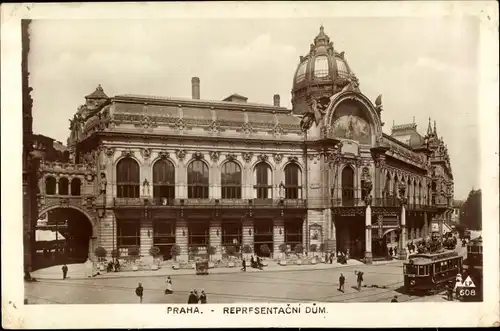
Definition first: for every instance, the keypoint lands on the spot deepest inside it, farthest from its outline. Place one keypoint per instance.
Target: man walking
(65, 271)
(360, 279)
(244, 265)
(139, 291)
(341, 283)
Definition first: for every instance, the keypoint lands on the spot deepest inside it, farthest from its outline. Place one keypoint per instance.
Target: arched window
(414, 187)
(264, 181)
(76, 184)
(63, 186)
(231, 181)
(387, 187)
(347, 186)
(395, 187)
(198, 179)
(127, 178)
(163, 180)
(50, 185)
(293, 182)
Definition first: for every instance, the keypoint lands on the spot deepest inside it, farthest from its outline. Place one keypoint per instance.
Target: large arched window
(231, 181)
(127, 178)
(76, 184)
(264, 181)
(198, 179)
(50, 185)
(63, 186)
(293, 182)
(163, 180)
(347, 186)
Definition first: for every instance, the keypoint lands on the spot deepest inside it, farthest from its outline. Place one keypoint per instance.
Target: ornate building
(161, 171)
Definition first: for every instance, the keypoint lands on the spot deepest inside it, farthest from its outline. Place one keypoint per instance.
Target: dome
(321, 73)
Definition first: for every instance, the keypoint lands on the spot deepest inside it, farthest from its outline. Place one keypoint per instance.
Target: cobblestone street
(277, 286)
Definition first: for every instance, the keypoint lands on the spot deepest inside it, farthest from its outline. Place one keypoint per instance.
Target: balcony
(379, 202)
(65, 201)
(210, 203)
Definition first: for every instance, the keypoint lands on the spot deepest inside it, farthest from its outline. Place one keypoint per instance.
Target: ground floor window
(198, 233)
(128, 234)
(231, 234)
(293, 233)
(263, 237)
(164, 236)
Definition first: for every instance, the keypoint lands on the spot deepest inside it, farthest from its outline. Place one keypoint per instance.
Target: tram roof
(432, 257)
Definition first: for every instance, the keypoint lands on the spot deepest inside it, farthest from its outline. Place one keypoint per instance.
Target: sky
(423, 67)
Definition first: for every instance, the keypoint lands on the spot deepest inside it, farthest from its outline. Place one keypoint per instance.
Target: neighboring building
(457, 205)
(192, 172)
(470, 212)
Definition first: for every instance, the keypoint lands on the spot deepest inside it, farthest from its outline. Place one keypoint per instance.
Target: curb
(133, 274)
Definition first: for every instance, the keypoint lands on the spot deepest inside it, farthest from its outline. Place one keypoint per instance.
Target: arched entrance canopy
(83, 211)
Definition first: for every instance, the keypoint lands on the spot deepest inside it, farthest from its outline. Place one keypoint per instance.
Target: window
(264, 181)
(163, 232)
(127, 178)
(198, 233)
(75, 186)
(50, 185)
(163, 180)
(231, 181)
(128, 233)
(347, 186)
(63, 186)
(198, 180)
(301, 72)
(342, 71)
(293, 189)
(321, 66)
(231, 234)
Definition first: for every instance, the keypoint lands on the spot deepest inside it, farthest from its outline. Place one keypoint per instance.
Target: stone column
(215, 236)
(426, 226)
(402, 236)
(181, 237)
(368, 235)
(278, 235)
(107, 231)
(146, 233)
(248, 232)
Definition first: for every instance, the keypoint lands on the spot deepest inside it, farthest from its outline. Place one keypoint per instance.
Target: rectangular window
(198, 234)
(128, 233)
(231, 234)
(197, 192)
(231, 192)
(164, 191)
(128, 191)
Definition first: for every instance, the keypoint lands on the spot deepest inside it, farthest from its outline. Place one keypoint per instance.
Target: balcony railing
(209, 203)
(379, 202)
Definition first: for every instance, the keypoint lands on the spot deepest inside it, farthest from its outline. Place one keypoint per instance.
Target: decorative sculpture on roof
(315, 114)
(378, 105)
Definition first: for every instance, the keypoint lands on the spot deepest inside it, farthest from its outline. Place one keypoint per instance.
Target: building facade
(157, 171)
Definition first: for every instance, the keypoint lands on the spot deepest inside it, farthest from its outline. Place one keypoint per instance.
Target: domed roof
(322, 72)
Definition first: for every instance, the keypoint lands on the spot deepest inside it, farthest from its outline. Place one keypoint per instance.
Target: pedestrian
(331, 258)
(359, 279)
(169, 290)
(203, 297)
(390, 252)
(449, 291)
(139, 291)
(341, 282)
(395, 299)
(65, 271)
(244, 265)
(395, 251)
(192, 298)
(252, 262)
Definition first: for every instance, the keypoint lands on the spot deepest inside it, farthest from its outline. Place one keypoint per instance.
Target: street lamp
(367, 188)
(402, 225)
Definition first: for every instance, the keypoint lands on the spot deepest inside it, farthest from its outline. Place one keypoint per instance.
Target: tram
(473, 267)
(429, 273)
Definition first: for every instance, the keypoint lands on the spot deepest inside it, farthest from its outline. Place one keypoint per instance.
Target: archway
(63, 235)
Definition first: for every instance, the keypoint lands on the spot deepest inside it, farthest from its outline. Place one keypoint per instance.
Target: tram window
(480, 249)
(404, 269)
(437, 267)
(421, 270)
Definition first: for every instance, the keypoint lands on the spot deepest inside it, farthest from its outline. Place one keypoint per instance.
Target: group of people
(195, 298)
(254, 263)
(359, 280)
(393, 252)
(452, 288)
(113, 266)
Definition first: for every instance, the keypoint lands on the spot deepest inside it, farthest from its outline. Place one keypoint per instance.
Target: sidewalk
(77, 271)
